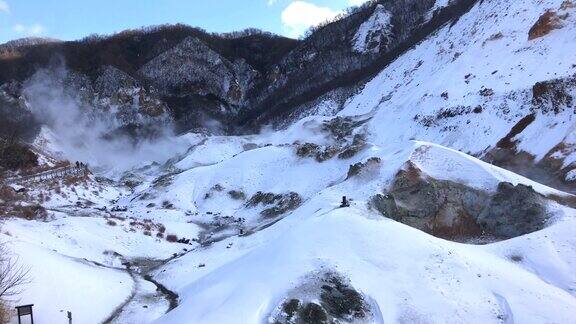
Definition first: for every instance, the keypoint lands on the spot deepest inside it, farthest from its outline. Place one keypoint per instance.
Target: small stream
(149, 299)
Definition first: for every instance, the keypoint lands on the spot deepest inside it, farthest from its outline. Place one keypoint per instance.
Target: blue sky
(74, 19)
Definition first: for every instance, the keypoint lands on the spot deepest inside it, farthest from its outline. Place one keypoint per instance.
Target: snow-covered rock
(193, 67)
(374, 34)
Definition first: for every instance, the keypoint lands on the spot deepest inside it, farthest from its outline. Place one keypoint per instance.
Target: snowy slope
(448, 164)
(60, 284)
(413, 277)
(488, 48)
(246, 278)
(452, 282)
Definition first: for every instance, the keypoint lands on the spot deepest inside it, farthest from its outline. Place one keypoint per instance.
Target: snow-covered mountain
(447, 125)
(244, 81)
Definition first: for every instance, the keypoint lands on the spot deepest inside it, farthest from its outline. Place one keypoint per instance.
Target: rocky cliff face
(188, 76)
(15, 118)
(375, 34)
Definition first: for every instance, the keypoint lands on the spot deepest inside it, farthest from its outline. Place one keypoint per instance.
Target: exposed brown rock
(545, 24)
(358, 144)
(554, 95)
(549, 171)
(441, 208)
(359, 167)
(457, 212)
(281, 203)
(506, 141)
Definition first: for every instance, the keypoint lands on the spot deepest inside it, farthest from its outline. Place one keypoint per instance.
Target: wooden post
(345, 202)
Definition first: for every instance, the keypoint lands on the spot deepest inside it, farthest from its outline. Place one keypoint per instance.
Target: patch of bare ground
(567, 200)
(507, 141)
(567, 4)
(550, 20)
(18, 204)
(550, 170)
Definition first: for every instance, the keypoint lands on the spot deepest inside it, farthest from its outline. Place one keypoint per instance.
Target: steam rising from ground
(60, 100)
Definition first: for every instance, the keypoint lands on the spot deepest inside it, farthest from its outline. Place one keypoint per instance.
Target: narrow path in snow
(149, 299)
(506, 317)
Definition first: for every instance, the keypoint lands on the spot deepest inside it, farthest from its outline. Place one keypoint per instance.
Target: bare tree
(12, 275)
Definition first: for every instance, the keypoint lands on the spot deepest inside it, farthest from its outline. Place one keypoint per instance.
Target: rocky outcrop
(513, 211)
(549, 21)
(276, 204)
(237, 194)
(546, 99)
(115, 89)
(192, 67)
(554, 95)
(351, 149)
(329, 298)
(374, 35)
(15, 119)
(439, 207)
(360, 168)
(340, 128)
(346, 139)
(455, 211)
(311, 150)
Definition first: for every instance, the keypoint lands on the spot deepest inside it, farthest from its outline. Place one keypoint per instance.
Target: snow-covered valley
(240, 265)
(438, 224)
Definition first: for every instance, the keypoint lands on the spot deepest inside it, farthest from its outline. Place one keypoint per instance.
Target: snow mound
(413, 276)
(447, 164)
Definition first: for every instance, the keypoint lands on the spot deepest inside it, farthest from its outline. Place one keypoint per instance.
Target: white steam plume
(85, 133)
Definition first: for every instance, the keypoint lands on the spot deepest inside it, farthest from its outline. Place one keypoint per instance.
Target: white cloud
(29, 30)
(356, 2)
(4, 6)
(301, 15)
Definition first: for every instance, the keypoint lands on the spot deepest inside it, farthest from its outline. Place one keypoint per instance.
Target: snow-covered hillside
(254, 229)
(243, 263)
(470, 84)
